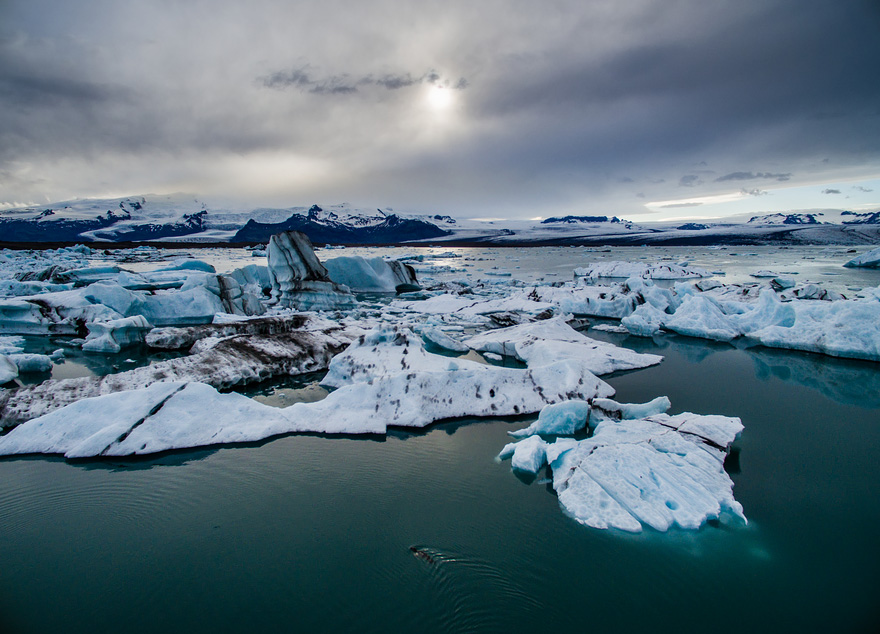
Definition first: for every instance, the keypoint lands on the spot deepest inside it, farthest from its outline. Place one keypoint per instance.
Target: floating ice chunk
(14, 288)
(187, 264)
(28, 362)
(112, 336)
(85, 276)
(869, 260)
(646, 321)
(640, 467)
(848, 328)
(373, 275)
(627, 411)
(543, 342)
(470, 306)
(168, 415)
(8, 369)
(764, 273)
(442, 340)
(701, 317)
(616, 329)
(386, 351)
(640, 269)
(299, 280)
(10, 345)
(564, 419)
(528, 455)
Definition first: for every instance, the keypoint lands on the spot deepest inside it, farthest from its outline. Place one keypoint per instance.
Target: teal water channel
(308, 533)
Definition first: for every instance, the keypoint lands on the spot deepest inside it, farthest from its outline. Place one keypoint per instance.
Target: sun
(439, 97)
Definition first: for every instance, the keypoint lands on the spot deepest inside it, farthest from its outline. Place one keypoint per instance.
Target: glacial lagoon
(313, 532)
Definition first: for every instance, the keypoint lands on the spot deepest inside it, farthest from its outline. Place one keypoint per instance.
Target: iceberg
(640, 269)
(299, 280)
(869, 260)
(560, 419)
(28, 362)
(639, 468)
(112, 336)
(174, 415)
(373, 275)
(542, 342)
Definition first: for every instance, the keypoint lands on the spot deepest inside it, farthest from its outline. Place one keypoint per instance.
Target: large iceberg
(299, 280)
(173, 415)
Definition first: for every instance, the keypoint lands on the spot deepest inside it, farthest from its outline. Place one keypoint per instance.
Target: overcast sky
(639, 108)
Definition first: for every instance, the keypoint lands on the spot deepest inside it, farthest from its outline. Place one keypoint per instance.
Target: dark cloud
(560, 99)
(830, 191)
(304, 79)
(747, 176)
(862, 189)
(754, 192)
(301, 78)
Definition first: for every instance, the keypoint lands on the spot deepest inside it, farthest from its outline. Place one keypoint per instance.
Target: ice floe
(545, 341)
(173, 415)
(640, 467)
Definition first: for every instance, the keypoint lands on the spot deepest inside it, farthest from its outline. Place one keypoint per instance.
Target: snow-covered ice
(640, 467)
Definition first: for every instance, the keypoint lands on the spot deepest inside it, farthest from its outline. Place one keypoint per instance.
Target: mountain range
(186, 219)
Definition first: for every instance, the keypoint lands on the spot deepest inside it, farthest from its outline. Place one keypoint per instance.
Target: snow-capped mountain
(188, 219)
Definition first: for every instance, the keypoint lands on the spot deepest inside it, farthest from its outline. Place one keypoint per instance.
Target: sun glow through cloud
(439, 97)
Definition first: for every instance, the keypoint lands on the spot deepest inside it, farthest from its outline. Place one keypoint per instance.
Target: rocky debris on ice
(173, 415)
(869, 260)
(372, 275)
(543, 342)
(299, 280)
(640, 467)
(220, 362)
(468, 306)
(179, 338)
(640, 269)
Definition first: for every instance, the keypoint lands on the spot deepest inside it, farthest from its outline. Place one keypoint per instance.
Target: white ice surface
(656, 470)
(179, 415)
(549, 340)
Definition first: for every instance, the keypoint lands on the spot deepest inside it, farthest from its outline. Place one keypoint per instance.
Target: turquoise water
(313, 533)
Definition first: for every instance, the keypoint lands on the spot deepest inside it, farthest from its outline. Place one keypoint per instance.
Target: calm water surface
(313, 533)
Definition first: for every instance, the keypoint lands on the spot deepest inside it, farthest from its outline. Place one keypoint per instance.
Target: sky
(644, 109)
